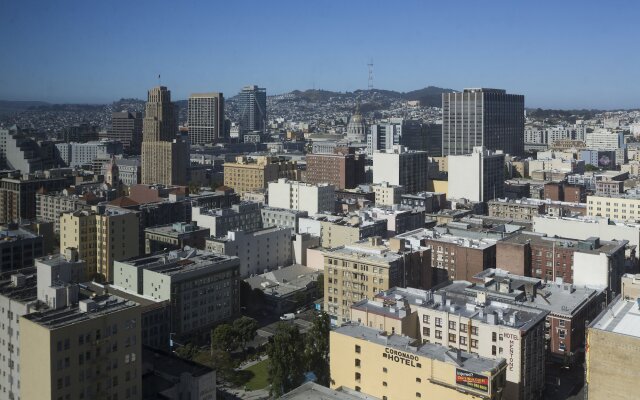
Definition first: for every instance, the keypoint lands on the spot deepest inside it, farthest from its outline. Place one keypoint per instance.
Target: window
(452, 337)
(438, 334)
(425, 319)
(358, 376)
(357, 388)
(452, 325)
(357, 349)
(474, 330)
(384, 384)
(493, 350)
(463, 328)
(384, 369)
(418, 395)
(561, 322)
(494, 336)
(357, 362)
(474, 343)
(418, 380)
(426, 331)
(438, 322)
(463, 340)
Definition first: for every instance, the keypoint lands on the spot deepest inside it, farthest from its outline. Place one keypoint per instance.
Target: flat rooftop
(622, 317)
(468, 361)
(170, 230)
(313, 391)
(54, 319)
(24, 293)
(584, 246)
(12, 234)
(180, 261)
(366, 250)
(438, 235)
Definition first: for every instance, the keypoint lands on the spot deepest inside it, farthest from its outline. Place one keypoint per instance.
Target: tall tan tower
(165, 156)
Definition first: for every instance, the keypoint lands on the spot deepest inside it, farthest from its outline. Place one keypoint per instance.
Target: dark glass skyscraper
(482, 117)
(253, 109)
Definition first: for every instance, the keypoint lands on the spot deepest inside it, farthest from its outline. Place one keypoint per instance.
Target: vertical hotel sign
(471, 380)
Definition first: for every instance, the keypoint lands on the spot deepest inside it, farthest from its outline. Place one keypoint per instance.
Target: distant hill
(8, 107)
(429, 96)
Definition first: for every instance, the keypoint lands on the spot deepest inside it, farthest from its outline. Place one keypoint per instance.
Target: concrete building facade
(302, 196)
(476, 176)
(399, 166)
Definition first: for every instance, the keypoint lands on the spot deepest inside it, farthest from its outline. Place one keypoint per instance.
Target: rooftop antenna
(159, 82)
(370, 65)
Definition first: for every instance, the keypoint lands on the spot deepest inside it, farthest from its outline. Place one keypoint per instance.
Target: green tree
(245, 329)
(317, 348)
(286, 366)
(188, 351)
(590, 168)
(223, 338)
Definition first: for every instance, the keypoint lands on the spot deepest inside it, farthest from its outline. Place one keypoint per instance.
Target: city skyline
(569, 55)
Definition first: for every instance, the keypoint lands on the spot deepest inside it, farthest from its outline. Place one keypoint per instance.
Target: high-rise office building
(165, 156)
(126, 128)
(399, 166)
(206, 118)
(253, 109)
(482, 117)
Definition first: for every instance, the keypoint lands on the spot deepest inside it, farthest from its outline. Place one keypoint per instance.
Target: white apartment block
(293, 195)
(401, 167)
(478, 176)
(77, 154)
(259, 251)
(603, 139)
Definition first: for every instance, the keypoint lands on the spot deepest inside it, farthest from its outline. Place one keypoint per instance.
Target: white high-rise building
(293, 195)
(206, 118)
(399, 166)
(603, 139)
(478, 176)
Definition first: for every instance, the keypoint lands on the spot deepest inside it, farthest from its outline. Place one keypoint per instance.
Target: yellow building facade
(101, 237)
(616, 208)
(393, 367)
(248, 175)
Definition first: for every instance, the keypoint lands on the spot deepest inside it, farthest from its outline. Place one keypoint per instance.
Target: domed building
(357, 127)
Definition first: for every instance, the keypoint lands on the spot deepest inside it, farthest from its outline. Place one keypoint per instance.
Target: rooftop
(178, 262)
(176, 229)
(622, 317)
(12, 233)
(591, 245)
(97, 307)
(427, 234)
(468, 361)
(284, 281)
(313, 391)
(372, 249)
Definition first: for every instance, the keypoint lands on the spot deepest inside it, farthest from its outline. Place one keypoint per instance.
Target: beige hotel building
(394, 367)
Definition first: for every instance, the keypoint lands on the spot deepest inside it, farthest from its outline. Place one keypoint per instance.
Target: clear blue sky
(566, 54)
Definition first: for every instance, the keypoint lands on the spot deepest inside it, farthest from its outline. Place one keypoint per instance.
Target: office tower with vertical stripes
(206, 118)
(482, 117)
(252, 103)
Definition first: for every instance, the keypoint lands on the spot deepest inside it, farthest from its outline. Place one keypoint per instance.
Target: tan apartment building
(613, 347)
(389, 366)
(471, 322)
(101, 236)
(363, 269)
(88, 350)
(338, 230)
(386, 194)
(251, 174)
(620, 208)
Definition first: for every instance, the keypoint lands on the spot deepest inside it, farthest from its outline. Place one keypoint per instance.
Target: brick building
(343, 169)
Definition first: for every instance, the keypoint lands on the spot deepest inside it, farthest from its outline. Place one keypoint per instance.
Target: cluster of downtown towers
(475, 117)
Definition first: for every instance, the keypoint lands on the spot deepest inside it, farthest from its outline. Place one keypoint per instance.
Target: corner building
(392, 367)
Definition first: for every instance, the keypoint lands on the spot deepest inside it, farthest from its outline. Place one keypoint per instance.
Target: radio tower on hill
(370, 65)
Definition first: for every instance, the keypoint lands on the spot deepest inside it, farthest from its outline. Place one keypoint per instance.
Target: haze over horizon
(559, 55)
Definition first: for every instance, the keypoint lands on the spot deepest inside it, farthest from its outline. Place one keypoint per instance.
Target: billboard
(472, 380)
